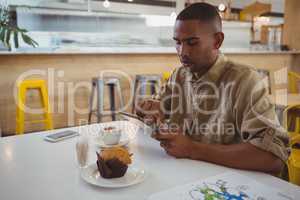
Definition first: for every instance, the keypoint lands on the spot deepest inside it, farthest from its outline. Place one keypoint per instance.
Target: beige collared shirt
(229, 104)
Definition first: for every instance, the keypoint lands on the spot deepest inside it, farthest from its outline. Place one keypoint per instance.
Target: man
(220, 108)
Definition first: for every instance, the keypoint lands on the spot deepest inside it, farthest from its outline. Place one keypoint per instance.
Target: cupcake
(113, 162)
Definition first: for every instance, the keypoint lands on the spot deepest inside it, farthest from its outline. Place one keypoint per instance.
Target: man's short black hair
(202, 11)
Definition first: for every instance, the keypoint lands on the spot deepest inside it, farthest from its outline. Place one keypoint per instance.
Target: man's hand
(175, 143)
(242, 156)
(150, 111)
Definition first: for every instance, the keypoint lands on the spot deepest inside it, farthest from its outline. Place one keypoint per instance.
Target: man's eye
(177, 42)
(192, 43)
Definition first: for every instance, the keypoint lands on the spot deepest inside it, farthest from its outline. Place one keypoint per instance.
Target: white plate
(133, 176)
(123, 141)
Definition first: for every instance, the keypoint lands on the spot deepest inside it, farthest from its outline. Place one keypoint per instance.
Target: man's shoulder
(240, 68)
(236, 70)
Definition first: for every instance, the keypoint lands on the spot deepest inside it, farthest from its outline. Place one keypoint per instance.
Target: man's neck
(204, 69)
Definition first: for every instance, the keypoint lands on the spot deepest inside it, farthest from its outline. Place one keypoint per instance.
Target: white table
(33, 169)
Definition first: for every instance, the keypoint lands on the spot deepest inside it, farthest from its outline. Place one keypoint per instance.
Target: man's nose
(183, 50)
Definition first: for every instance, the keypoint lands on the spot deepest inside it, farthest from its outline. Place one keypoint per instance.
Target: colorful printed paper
(227, 186)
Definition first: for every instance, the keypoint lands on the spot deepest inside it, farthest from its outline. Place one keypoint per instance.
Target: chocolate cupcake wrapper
(113, 168)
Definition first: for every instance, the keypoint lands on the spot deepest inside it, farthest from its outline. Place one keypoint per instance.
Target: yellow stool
(22, 88)
(293, 79)
(294, 161)
(166, 76)
(288, 118)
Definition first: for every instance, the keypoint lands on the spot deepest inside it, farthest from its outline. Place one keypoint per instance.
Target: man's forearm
(241, 156)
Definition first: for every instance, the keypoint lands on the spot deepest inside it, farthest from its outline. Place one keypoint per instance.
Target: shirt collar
(214, 72)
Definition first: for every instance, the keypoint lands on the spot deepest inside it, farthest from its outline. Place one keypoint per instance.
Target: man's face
(195, 44)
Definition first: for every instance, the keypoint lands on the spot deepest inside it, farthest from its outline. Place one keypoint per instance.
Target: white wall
(97, 6)
(116, 31)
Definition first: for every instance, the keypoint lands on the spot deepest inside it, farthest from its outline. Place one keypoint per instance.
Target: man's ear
(219, 38)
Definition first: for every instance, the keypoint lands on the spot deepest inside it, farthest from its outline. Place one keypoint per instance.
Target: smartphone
(55, 137)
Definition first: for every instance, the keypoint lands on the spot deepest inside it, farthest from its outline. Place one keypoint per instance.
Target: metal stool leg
(143, 87)
(119, 90)
(157, 85)
(152, 87)
(111, 87)
(136, 82)
(94, 83)
(100, 100)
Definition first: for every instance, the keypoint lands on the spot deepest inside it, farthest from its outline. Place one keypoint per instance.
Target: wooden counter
(69, 77)
(285, 100)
